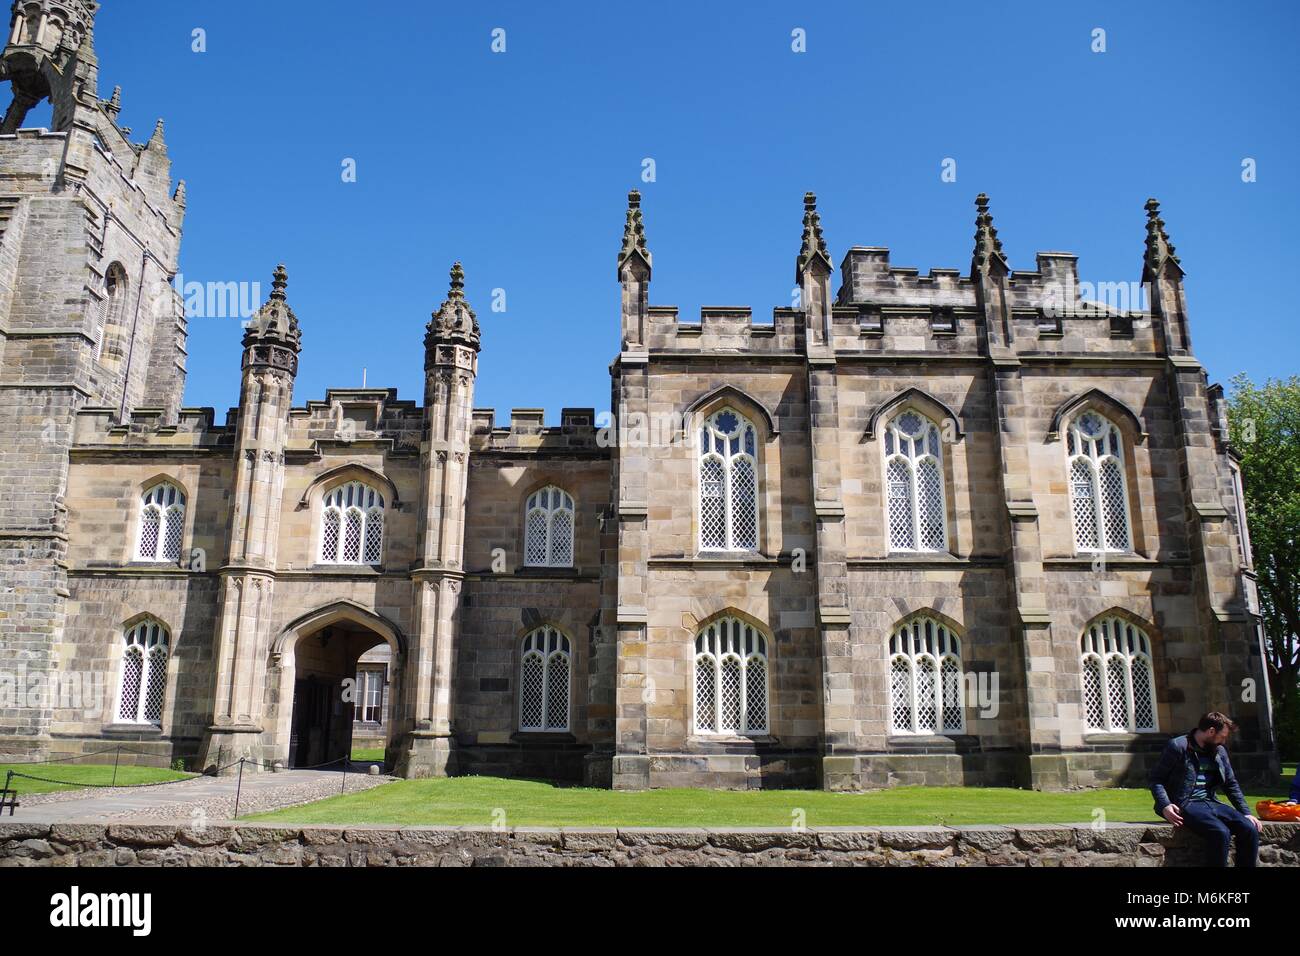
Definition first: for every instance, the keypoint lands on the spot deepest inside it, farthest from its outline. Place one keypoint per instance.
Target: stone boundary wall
(251, 844)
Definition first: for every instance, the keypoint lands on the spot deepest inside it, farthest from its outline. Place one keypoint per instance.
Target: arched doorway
(336, 664)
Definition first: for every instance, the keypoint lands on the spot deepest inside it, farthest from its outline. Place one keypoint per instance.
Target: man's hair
(1215, 721)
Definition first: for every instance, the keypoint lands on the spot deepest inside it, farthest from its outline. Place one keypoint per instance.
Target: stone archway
(310, 715)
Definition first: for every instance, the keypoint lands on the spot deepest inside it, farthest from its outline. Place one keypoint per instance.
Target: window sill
(347, 568)
(153, 730)
(543, 737)
(732, 739)
(1121, 736)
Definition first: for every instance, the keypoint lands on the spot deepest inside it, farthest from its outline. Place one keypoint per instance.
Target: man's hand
(1259, 825)
(1171, 814)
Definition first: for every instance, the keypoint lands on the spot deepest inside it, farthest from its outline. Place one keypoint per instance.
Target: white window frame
(922, 447)
(550, 646)
(165, 502)
(1113, 643)
(150, 641)
(718, 642)
(367, 502)
(919, 643)
(745, 439)
(1095, 452)
(371, 681)
(553, 504)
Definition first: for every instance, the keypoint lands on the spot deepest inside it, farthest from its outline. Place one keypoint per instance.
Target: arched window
(162, 523)
(142, 679)
(728, 483)
(926, 692)
(548, 529)
(544, 671)
(352, 525)
(108, 311)
(730, 679)
(914, 502)
(1119, 688)
(1098, 494)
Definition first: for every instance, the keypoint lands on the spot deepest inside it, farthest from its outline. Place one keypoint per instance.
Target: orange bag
(1278, 812)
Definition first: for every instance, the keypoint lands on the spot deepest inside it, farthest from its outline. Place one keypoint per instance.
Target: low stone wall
(249, 844)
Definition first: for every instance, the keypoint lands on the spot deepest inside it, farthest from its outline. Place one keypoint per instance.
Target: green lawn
(367, 753)
(481, 801)
(78, 776)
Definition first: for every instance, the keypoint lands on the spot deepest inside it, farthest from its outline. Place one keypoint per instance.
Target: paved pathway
(208, 798)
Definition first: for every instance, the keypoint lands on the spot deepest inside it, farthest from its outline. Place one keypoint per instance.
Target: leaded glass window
(728, 472)
(1118, 681)
(1098, 493)
(545, 670)
(926, 689)
(914, 497)
(142, 675)
(731, 674)
(352, 525)
(548, 529)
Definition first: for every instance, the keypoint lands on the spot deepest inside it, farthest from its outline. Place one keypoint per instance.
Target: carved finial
(987, 244)
(156, 141)
(633, 234)
(274, 325)
(814, 243)
(1159, 249)
(113, 105)
(454, 320)
(279, 282)
(178, 197)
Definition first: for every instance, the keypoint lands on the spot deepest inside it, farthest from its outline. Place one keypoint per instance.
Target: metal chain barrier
(8, 796)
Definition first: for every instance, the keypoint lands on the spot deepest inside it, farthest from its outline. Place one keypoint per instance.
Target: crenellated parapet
(579, 431)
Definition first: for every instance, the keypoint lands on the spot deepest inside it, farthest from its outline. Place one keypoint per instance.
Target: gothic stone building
(920, 529)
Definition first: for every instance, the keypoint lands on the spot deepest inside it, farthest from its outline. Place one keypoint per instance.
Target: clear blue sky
(519, 163)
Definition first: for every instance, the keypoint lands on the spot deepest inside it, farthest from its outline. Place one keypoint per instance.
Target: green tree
(1264, 427)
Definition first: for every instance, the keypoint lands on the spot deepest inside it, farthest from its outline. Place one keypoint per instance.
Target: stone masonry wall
(241, 844)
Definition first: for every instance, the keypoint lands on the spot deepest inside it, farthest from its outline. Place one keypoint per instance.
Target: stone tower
(451, 345)
(89, 236)
(247, 586)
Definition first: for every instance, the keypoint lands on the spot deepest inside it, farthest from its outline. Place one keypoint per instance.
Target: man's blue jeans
(1217, 823)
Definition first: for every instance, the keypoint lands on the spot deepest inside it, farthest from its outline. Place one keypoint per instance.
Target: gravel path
(210, 799)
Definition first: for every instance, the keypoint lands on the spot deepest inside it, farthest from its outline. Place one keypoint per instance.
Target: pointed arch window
(1119, 688)
(107, 312)
(926, 689)
(142, 674)
(545, 669)
(731, 677)
(162, 523)
(548, 529)
(728, 476)
(914, 498)
(1098, 490)
(352, 525)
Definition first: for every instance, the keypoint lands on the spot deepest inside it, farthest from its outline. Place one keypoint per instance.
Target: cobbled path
(208, 798)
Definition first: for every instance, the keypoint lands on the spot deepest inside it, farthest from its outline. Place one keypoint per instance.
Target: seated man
(1191, 768)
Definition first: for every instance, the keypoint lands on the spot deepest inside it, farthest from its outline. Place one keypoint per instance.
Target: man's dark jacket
(1174, 776)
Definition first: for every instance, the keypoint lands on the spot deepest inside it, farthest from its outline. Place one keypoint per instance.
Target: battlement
(193, 429)
(724, 328)
(528, 431)
(365, 416)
